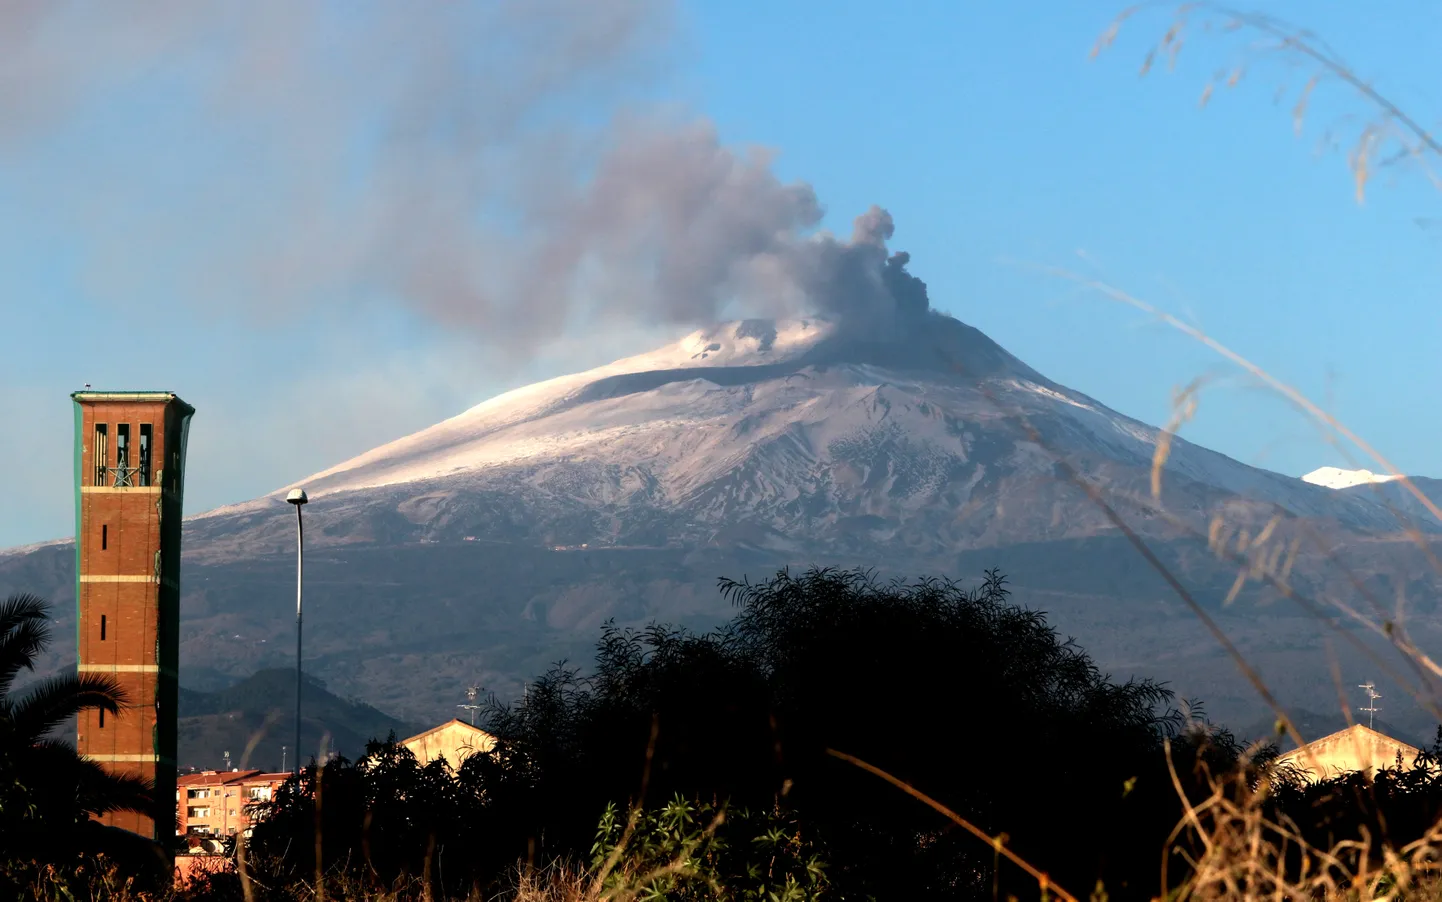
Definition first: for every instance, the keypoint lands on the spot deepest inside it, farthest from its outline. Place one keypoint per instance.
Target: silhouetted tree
(963, 695)
(49, 794)
(383, 816)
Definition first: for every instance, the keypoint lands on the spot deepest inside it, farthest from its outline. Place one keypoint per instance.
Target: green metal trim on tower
(79, 456)
(133, 396)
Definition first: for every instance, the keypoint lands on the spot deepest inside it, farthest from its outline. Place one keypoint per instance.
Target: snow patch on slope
(1337, 478)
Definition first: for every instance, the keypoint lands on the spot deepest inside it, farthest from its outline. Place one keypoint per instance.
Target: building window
(102, 627)
(104, 536)
(102, 451)
(144, 463)
(102, 718)
(123, 473)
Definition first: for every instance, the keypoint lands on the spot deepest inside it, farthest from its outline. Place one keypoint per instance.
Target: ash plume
(859, 282)
(486, 165)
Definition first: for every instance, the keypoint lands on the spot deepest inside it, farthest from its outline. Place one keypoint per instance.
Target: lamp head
(297, 497)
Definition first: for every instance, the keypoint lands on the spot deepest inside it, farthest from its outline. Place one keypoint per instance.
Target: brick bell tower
(129, 472)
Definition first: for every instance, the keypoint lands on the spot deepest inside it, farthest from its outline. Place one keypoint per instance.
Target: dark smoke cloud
(859, 282)
(482, 163)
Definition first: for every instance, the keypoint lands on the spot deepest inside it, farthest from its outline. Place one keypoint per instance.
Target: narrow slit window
(102, 451)
(123, 472)
(104, 536)
(143, 465)
(102, 627)
(102, 718)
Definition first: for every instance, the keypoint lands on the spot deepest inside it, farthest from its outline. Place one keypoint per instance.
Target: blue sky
(983, 127)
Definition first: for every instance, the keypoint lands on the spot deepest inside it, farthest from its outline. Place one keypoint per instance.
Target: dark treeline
(967, 698)
(970, 699)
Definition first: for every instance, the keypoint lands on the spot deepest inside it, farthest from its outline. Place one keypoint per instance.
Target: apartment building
(213, 803)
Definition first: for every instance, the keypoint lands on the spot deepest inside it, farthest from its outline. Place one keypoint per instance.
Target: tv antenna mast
(472, 692)
(1372, 696)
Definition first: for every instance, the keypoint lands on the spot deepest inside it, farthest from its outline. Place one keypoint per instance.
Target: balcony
(122, 477)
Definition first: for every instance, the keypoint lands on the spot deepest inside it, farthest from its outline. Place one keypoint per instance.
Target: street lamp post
(297, 497)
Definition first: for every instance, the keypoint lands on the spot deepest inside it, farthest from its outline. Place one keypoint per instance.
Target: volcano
(488, 546)
(794, 436)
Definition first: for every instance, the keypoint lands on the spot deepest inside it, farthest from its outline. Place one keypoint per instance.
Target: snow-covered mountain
(793, 436)
(495, 542)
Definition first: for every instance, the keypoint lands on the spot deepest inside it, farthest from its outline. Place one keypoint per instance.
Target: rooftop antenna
(227, 760)
(471, 706)
(1372, 696)
(282, 759)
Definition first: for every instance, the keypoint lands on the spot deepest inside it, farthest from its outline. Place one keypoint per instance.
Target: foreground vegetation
(975, 701)
(840, 738)
(770, 759)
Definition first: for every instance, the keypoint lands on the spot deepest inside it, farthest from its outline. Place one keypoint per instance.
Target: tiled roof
(226, 778)
(450, 724)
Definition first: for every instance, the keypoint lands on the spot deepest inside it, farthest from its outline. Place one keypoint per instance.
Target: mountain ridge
(484, 547)
(253, 718)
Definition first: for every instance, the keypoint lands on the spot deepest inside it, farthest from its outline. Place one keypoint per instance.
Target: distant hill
(255, 717)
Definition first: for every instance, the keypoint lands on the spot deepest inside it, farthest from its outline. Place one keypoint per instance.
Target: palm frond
(101, 791)
(52, 701)
(20, 607)
(132, 853)
(97, 790)
(24, 631)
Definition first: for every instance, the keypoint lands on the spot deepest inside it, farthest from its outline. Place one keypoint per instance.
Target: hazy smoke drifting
(480, 162)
